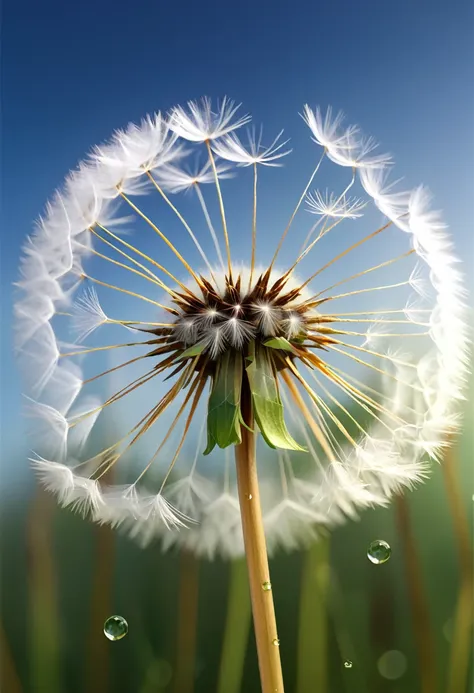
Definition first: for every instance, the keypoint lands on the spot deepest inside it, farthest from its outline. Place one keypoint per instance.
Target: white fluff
(327, 130)
(335, 206)
(177, 179)
(200, 122)
(87, 314)
(231, 148)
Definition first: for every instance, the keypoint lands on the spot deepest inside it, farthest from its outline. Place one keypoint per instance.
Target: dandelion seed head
(220, 323)
(356, 374)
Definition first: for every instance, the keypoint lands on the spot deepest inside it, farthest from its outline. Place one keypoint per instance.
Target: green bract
(268, 408)
(224, 417)
(279, 343)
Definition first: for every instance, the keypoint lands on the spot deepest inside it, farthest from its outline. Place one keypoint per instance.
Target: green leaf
(223, 415)
(268, 408)
(193, 350)
(279, 343)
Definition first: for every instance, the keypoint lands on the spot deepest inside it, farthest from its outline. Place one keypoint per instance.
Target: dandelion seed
(354, 152)
(331, 206)
(201, 123)
(231, 149)
(88, 314)
(176, 180)
(327, 131)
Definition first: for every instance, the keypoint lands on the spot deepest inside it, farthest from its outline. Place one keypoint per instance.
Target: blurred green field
(189, 621)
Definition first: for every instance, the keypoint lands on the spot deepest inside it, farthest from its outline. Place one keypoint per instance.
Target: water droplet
(348, 664)
(379, 552)
(266, 586)
(392, 664)
(115, 628)
(250, 496)
(276, 642)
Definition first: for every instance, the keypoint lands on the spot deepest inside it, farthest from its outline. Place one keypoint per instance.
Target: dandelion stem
(263, 609)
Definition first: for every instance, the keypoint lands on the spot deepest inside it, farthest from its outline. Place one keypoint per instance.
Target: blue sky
(72, 72)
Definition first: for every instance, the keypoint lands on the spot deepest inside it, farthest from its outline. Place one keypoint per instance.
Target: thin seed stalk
(263, 609)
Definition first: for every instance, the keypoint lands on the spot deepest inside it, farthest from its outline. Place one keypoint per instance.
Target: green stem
(236, 632)
(312, 674)
(45, 633)
(263, 609)
(9, 679)
(98, 646)
(419, 608)
(187, 623)
(461, 648)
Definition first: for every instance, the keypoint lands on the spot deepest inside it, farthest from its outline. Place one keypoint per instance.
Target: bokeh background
(71, 74)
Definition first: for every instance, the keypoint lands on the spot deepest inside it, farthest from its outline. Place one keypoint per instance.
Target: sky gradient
(73, 73)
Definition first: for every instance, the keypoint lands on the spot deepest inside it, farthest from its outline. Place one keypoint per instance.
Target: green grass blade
(312, 655)
(236, 630)
(45, 637)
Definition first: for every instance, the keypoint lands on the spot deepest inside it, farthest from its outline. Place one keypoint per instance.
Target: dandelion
(345, 363)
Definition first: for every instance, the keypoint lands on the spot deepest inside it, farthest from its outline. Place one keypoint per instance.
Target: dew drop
(250, 496)
(266, 586)
(115, 628)
(276, 642)
(379, 552)
(348, 664)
